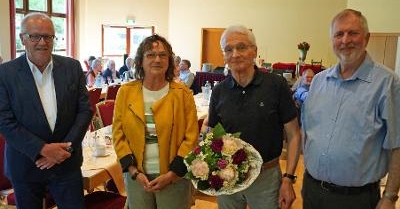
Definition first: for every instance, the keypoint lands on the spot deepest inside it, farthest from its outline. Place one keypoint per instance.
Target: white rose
(228, 174)
(200, 169)
(231, 145)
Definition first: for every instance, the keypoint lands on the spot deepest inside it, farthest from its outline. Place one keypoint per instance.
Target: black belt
(344, 189)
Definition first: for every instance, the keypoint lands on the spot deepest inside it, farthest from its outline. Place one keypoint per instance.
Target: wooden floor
(208, 202)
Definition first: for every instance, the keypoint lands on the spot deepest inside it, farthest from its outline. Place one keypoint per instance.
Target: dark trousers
(316, 197)
(67, 191)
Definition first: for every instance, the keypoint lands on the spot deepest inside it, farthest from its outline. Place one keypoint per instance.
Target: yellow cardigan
(175, 117)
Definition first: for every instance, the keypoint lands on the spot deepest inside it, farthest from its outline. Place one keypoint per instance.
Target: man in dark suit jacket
(110, 73)
(127, 67)
(44, 114)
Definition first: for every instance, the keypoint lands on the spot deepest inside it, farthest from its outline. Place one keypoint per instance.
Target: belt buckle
(323, 187)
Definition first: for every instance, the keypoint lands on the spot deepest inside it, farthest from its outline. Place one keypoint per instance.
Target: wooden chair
(316, 62)
(112, 92)
(105, 111)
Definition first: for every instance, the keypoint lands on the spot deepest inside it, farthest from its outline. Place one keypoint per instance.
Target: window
(120, 40)
(58, 10)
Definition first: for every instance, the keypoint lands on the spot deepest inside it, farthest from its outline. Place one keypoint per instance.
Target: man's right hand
(54, 153)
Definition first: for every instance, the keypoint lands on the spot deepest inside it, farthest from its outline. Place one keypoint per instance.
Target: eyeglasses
(240, 47)
(36, 38)
(153, 55)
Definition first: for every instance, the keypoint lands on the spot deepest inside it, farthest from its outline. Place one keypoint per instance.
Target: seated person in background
(185, 74)
(89, 61)
(127, 67)
(301, 92)
(177, 61)
(95, 70)
(110, 73)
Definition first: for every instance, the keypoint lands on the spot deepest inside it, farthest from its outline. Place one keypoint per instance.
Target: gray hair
(177, 59)
(109, 62)
(37, 15)
(129, 61)
(240, 29)
(96, 63)
(348, 12)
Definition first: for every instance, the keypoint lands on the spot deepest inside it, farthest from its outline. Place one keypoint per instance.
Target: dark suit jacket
(23, 121)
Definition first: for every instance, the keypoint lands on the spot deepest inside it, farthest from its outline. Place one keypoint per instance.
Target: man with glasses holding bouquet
(44, 114)
(260, 107)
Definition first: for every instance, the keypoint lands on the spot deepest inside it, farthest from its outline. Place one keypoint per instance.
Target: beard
(349, 53)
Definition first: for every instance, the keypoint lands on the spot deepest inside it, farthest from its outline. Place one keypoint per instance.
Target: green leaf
(190, 157)
(237, 134)
(218, 131)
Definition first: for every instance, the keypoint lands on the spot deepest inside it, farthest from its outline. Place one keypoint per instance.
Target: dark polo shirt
(258, 111)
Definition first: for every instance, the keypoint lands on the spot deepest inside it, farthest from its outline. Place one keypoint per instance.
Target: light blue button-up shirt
(350, 125)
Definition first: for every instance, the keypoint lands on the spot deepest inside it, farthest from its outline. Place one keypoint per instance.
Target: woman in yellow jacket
(154, 127)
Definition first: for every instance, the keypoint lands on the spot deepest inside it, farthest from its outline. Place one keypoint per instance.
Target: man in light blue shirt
(186, 76)
(351, 125)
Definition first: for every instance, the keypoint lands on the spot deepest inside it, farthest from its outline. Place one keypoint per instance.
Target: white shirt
(151, 154)
(45, 86)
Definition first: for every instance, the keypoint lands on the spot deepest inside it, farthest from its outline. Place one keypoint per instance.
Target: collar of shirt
(39, 76)
(257, 79)
(361, 73)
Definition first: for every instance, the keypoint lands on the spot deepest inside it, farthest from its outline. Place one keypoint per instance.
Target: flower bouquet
(303, 48)
(222, 163)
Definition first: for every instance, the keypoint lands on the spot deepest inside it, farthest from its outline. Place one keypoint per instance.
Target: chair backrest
(112, 92)
(94, 97)
(4, 182)
(104, 200)
(105, 110)
(316, 62)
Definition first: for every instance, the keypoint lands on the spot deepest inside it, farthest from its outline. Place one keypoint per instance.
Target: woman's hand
(162, 181)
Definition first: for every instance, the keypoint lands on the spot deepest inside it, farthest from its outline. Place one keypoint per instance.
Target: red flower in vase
(303, 46)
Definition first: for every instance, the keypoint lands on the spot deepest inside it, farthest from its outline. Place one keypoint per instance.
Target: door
(383, 48)
(211, 51)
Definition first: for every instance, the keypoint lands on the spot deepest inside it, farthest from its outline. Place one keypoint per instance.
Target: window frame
(69, 30)
(128, 31)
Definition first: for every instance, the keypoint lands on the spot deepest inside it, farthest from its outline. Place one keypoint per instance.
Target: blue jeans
(66, 189)
(262, 194)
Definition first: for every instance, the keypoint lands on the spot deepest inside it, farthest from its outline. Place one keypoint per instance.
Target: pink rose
(197, 150)
(222, 163)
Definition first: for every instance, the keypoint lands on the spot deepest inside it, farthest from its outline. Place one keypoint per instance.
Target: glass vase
(302, 55)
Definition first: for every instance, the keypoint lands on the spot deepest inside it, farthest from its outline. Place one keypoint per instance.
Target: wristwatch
(393, 197)
(290, 176)
(135, 174)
